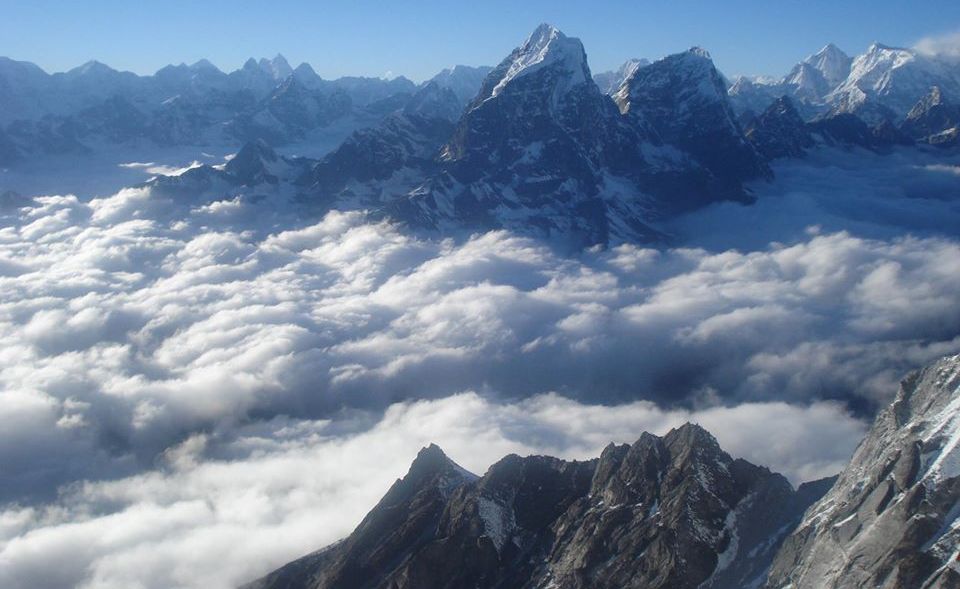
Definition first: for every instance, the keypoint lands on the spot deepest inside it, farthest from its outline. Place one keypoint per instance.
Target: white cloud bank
(121, 334)
(217, 383)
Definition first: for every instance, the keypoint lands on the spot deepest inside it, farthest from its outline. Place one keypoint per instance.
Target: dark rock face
(849, 130)
(401, 524)
(891, 518)
(673, 512)
(357, 169)
(779, 131)
(553, 102)
(682, 100)
(256, 165)
(536, 141)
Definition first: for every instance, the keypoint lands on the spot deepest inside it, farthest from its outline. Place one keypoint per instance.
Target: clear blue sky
(416, 39)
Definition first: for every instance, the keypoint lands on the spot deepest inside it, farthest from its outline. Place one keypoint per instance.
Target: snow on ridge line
(546, 46)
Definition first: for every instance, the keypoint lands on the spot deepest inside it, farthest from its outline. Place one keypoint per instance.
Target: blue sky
(416, 39)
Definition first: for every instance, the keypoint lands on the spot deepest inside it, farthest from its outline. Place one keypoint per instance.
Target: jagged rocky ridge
(673, 512)
(934, 120)
(539, 149)
(542, 150)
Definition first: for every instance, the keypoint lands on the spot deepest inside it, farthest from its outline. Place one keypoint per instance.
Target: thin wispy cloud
(944, 45)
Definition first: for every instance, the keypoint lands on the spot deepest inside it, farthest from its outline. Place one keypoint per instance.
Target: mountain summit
(832, 63)
(547, 49)
(665, 512)
(672, 512)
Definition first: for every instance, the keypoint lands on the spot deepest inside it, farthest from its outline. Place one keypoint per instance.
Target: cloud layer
(194, 392)
(125, 328)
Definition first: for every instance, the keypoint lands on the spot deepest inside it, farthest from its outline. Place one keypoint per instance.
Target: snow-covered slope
(832, 63)
(892, 519)
(808, 83)
(895, 78)
(561, 59)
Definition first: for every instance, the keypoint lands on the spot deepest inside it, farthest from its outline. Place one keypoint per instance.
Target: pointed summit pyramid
(832, 63)
(547, 50)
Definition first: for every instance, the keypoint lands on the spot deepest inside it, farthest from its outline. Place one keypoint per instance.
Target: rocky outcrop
(681, 100)
(891, 519)
(374, 166)
(779, 132)
(673, 512)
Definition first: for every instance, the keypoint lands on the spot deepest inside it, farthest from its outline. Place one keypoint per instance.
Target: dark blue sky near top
(416, 39)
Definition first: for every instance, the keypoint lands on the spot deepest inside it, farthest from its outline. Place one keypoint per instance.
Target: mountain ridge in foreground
(672, 511)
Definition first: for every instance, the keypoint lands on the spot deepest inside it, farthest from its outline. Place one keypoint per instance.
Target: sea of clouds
(195, 393)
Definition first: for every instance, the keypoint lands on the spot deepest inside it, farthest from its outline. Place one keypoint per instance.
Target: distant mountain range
(75, 111)
(884, 83)
(538, 144)
(671, 512)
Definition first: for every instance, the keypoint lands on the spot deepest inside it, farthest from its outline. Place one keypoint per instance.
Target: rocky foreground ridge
(673, 511)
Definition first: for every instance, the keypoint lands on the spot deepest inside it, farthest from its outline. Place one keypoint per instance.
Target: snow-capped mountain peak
(894, 77)
(547, 47)
(833, 63)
